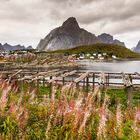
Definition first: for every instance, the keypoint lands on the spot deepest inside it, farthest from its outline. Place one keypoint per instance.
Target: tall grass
(70, 115)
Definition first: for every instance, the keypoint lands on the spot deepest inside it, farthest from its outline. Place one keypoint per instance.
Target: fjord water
(110, 66)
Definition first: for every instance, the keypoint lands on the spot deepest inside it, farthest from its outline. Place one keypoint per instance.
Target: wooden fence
(87, 79)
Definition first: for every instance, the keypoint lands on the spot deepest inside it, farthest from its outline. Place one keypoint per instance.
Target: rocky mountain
(137, 48)
(29, 48)
(7, 47)
(1, 48)
(70, 35)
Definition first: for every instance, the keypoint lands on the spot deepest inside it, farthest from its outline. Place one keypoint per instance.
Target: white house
(113, 56)
(94, 54)
(81, 57)
(104, 54)
(88, 55)
(99, 55)
(92, 57)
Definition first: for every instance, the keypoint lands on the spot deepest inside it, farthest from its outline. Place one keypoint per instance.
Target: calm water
(111, 66)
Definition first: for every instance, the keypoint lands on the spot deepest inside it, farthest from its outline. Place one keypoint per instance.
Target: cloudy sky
(27, 21)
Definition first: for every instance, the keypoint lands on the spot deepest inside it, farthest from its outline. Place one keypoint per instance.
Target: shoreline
(110, 60)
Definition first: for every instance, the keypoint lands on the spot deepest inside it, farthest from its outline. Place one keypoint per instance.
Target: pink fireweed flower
(54, 89)
(119, 116)
(49, 124)
(12, 108)
(87, 114)
(136, 121)
(79, 110)
(70, 108)
(137, 115)
(68, 89)
(3, 99)
(4, 84)
(102, 122)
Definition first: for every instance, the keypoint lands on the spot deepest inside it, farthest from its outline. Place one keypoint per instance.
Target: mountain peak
(70, 35)
(137, 48)
(71, 23)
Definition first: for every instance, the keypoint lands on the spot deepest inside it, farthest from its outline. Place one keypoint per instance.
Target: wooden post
(87, 82)
(93, 81)
(63, 81)
(129, 95)
(127, 79)
(37, 86)
(43, 82)
(22, 86)
(84, 84)
(31, 84)
(77, 85)
(108, 79)
(50, 95)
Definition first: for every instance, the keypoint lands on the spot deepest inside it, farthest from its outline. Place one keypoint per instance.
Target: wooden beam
(62, 76)
(83, 76)
(137, 73)
(13, 75)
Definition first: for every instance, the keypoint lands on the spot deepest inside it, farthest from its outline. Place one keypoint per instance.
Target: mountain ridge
(7, 47)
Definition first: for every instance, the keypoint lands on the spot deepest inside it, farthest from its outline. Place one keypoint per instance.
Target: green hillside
(119, 51)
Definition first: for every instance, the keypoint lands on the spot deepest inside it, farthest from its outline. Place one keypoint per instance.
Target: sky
(25, 22)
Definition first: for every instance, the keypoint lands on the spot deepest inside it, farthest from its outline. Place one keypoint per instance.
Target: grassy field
(70, 114)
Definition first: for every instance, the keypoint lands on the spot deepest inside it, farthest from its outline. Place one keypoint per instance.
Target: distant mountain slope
(29, 48)
(7, 47)
(117, 50)
(70, 35)
(1, 48)
(137, 48)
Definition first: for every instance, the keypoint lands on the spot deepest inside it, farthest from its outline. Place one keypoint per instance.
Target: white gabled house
(92, 57)
(94, 54)
(114, 56)
(81, 57)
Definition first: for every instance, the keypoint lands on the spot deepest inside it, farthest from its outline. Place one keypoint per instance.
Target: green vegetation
(120, 94)
(110, 49)
(69, 114)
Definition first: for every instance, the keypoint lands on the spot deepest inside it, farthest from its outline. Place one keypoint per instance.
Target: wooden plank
(42, 75)
(13, 75)
(69, 73)
(45, 73)
(25, 78)
(87, 84)
(83, 76)
(137, 73)
(93, 78)
(62, 76)
(36, 77)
